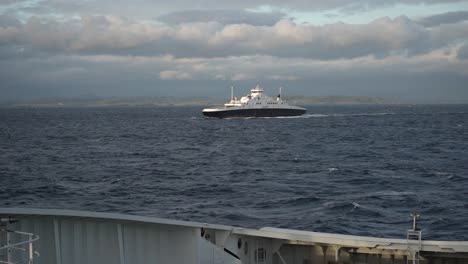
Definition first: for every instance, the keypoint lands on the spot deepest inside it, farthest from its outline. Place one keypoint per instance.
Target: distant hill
(341, 100)
(114, 102)
(183, 101)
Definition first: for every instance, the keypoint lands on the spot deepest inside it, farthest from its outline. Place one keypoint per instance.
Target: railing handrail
(31, 238)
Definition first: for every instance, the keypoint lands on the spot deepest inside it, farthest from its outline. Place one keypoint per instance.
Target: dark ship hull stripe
(262, 112)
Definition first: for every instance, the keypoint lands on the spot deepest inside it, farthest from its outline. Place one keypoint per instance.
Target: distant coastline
(183, 101)
(178, 101)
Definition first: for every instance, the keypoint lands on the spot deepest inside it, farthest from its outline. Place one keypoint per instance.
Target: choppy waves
(353, 170)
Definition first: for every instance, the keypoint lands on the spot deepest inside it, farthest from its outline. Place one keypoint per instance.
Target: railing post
(31, 251)
(414, 242)
(8, 238)
(22, 250)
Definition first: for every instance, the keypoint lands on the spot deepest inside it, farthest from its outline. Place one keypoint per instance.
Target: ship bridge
(257, 91)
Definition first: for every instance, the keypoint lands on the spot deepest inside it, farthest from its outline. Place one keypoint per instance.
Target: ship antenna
(232, 92)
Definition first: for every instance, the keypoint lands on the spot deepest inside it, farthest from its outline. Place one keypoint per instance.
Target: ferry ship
(255, 104)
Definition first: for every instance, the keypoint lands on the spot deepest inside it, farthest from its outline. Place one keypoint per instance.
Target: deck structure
(75, 237)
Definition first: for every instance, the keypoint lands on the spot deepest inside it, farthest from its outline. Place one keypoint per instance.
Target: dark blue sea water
(344, 169)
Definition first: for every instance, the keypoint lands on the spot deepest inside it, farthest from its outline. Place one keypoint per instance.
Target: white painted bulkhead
(72, 237)
(78, 240)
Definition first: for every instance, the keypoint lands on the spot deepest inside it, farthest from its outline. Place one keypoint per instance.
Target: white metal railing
(414, 242)
(414, 246)
(18, 252)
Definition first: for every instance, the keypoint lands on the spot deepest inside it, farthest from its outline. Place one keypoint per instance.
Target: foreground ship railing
(16, 247)
(70, 237)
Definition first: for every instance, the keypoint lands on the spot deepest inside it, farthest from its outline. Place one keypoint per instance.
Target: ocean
(358, 170)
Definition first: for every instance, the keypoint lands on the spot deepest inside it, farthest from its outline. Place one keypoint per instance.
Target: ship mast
(279, 95)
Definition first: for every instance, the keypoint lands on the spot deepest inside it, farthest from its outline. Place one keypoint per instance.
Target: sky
(412, 51)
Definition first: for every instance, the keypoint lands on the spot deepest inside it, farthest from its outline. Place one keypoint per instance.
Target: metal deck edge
(290, 235)
(108, 216)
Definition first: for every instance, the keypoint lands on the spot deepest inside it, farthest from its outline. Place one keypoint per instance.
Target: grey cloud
(115, 35)
(147, 9)
(222, 16)
(463, 52)
(9, 21)
(9, 2)
(379, 38)
(449, 34)
(107, 54)
(354, 8)
(422, 78)
(445, 18)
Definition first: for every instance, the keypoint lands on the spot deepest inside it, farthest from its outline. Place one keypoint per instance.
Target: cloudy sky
(408, 50)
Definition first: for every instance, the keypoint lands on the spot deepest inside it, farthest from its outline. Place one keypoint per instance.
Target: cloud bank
(223, 17)
(102, 53)
(445, 18)
(152, 8)
(113, 35)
